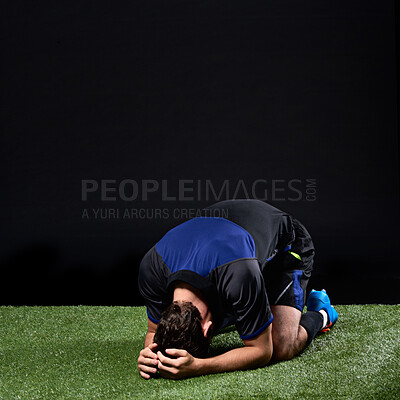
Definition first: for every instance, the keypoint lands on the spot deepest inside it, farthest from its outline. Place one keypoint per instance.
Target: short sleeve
(152, 283)
(243, 287)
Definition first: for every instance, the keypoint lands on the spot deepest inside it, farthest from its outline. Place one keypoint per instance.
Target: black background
(218, 91)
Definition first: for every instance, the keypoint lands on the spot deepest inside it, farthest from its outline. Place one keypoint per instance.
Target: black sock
(312, 322)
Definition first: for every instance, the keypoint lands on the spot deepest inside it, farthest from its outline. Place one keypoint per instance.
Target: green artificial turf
(91, 353)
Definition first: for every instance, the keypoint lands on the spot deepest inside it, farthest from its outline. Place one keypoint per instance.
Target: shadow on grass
(227, 329)
(225, 340)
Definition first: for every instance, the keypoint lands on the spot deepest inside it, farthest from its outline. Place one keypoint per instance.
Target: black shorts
(286, 276)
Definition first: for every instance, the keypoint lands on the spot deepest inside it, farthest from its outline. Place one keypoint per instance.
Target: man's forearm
(233, 360)
(148, 339)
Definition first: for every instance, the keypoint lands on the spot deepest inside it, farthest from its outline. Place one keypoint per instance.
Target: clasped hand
(182, 365)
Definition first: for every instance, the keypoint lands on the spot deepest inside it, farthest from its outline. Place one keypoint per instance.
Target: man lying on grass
(250, 269)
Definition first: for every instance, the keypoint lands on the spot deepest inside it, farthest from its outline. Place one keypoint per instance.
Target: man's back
(270, 228)
(204, 243)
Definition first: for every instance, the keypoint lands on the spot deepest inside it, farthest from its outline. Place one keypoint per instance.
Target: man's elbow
(264, 358)
(261, 348)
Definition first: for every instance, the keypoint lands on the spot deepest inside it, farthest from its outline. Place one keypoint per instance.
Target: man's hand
(184, 366)
(148, 361)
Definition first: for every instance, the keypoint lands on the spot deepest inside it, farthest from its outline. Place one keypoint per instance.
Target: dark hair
(180, 328)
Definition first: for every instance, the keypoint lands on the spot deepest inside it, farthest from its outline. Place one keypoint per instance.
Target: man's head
(181, 327)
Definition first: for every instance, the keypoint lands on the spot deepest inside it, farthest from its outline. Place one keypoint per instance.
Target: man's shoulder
(152, 266)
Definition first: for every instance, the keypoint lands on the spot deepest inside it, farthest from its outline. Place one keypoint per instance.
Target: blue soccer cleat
(319, 300)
